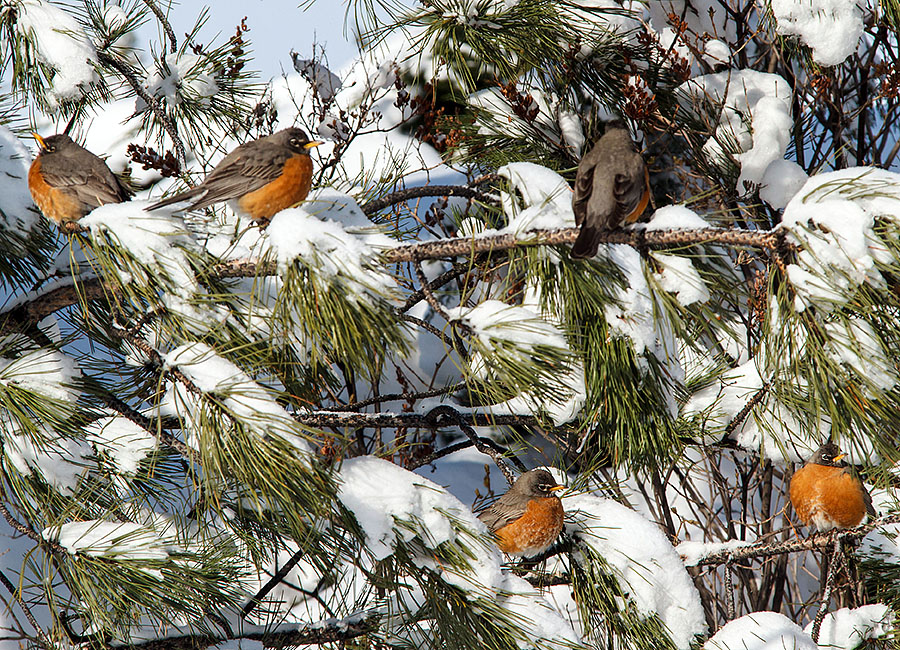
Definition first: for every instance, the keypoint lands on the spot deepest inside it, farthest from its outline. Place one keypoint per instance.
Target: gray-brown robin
(67, 181)
(612, 188)
(827, 494)
(264, 176)
(529, 517)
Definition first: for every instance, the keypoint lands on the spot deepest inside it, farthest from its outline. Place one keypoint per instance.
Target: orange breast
(535, 530)
(286, 190)
(827, 497)
(54, 203)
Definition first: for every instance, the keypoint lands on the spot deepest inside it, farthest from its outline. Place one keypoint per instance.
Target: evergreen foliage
(209, 430)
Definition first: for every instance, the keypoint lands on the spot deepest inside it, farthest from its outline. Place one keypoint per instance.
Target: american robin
(67, 181)
(612, 188)
(827, 494)
(264, 176)
(529, 517)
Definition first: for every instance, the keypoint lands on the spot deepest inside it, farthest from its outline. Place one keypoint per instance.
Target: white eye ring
(295, 142)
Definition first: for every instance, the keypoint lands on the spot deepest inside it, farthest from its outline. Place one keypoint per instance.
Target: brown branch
(152, 102)
(745, 411)
(469, 191)
(460, 246)
(26, 315)
(836, 555)
(813, 542)
(449, 413)
(161, 17)
(392, 420)
(148, 425)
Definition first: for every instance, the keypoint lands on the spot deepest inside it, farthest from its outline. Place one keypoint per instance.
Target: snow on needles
(157, 255)
(832, 219)
(546, 196)
(831, 28)
(120, 541)
(243, 399)
(61, 44)
(643, 561)
(755, 117)
(310, 234)
(493, 320)
(18, 216)
(45, 372)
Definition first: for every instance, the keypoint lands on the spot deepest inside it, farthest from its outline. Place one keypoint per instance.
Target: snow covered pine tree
(216, 434)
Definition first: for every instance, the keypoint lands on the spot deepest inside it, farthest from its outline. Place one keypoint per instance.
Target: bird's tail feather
(181, 197)
(587, 243)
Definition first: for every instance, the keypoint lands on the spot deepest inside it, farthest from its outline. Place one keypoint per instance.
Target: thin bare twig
(401, 196)
(167, 27)
(10, 587)
(456, 417)
(394, 397)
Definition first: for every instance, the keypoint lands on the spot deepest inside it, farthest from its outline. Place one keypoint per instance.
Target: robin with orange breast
(612, 188)
(67, 181)
(827, 494)
(263, 176)
(529, 517)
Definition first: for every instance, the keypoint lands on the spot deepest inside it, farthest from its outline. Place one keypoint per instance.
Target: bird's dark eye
(295, 142)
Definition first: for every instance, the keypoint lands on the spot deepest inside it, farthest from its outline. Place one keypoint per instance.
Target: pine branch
(836, 555)
(29, 532)
(331, 631)
(148, 425)
(152, 102)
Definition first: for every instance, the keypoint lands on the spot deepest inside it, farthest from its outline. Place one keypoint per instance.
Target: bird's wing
(93, 184)
(630, 187)
(502, 512)
(244, 170)
(584, 183)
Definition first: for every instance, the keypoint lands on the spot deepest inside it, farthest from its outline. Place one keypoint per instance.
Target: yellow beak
(39, 139)
(314, 143)
(838, 457)
(558, 487)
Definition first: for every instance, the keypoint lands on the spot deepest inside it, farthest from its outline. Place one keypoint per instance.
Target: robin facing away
(827, 494)
(67, 181)
(612, 188)
(529, 517)
(264, 176)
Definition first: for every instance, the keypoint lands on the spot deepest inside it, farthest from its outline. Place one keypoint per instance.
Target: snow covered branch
(326, 632)
(768, 549)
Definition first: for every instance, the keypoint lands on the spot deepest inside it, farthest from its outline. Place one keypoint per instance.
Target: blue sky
(276, 27)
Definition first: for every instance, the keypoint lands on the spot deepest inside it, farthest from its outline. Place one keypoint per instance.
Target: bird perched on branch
(529, 517)
(612, 188)
(827, 494)
(263, 177)
(67, 181)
